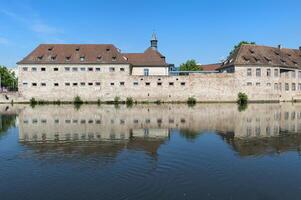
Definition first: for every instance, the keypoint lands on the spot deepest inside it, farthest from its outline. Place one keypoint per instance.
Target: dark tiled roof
(210, 67)
(151, 57)
(74, 54)
(265, 56)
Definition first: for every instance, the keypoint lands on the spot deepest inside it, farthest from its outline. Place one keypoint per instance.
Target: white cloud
(3, 40)
(34, 23)
(44, 28)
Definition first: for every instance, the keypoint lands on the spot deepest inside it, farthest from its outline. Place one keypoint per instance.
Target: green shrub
(129, 101)
(33, 101)
(78, 100)
(116, 100)
(191, 101)
(158, 102)
(242, 98)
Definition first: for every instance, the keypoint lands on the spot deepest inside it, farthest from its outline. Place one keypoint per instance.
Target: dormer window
(257, 59)
(251, 51)
(53, 57)
(268, 59)
(289, 55)
(77, 49)
(246, 59)
(50, 48)
(40, 57)
(283, 61)
(98, 58)
(68, 58)
(108, 49)
(82, 58)
(114, 58)
(276, 53)
(295, 63)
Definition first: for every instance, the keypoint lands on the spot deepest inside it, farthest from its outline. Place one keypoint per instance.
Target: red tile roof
(74, 54)
(265, 56)
(210, 67)
(151, 57)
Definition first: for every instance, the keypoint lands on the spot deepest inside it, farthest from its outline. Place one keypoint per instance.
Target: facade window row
(270, 73)
(74, 69)
(278, 86)
(121, 83)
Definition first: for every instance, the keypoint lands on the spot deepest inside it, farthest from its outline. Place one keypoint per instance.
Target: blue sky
(204, 30)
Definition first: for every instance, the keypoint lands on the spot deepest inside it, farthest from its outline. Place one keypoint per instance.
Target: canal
(167, 151)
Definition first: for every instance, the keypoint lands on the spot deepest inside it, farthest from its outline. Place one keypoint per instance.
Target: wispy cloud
(4, 40)
(36, 24)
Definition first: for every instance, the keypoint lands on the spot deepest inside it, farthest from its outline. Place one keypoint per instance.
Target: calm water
(214, 151)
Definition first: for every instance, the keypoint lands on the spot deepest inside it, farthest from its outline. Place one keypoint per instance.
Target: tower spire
(154, 41)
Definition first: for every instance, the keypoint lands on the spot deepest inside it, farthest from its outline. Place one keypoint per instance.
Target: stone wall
(107, 84)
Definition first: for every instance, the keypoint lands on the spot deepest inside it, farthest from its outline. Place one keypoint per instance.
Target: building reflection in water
(260, 129)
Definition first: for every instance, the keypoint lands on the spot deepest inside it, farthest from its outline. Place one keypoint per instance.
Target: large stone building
(101, 72)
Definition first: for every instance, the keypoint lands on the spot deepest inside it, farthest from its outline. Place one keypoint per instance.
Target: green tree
(190, 65)
(8, 79)
(239, 45)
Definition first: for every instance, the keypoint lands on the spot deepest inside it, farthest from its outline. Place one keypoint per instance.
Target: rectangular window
(97, 69)
(299, 74)
(147, 83)
(90, 69)
(249, 72)
(82, 83)
(112, 84)
(34, 84)
(171, 83)
(146, 72)
(135, 83)
(293, 86)
(122, 69)
(293, 74)
(286, 74)
(74, 69)
(25, 68)
(56, 84)
(121, 83)
(276, 72)
(249, 83)
(257, 84)
(280, 86)
(34, 69)
(112, 69)
(55, 69)
(268, 84)
(268, 72)
(82, 69)
(25, 83)
(75, 84)
(97, 83)
(183, 83)
(67, 84)
(67, 69)
(43, 84)
(43, 69)
(159, 83)
(258, 72)
(287, 87)
(276, 86)
(90, 84)
(299, 86)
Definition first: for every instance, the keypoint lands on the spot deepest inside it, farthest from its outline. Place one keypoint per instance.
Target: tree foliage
(8, 78)
(239, 45)
(190, 65)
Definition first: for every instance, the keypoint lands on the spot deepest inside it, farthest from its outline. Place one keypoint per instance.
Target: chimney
(279, 46)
